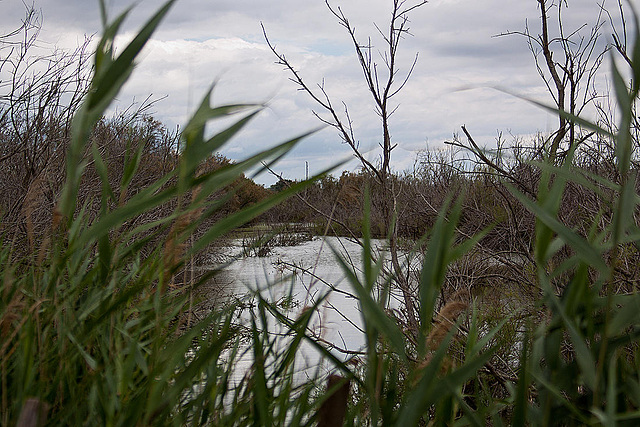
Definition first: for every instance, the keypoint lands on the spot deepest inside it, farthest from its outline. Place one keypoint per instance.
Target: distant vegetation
(523, 309)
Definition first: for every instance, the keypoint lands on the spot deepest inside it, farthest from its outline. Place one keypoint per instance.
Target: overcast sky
(204, 41)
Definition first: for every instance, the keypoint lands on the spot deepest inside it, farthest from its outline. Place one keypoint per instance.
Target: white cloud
(202, 42)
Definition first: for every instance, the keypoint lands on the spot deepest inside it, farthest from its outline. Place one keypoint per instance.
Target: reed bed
(97, 331)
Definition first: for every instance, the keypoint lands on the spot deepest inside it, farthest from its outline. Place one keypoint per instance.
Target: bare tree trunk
(382, 86)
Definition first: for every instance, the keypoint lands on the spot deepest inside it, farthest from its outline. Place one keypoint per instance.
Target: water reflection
(296, 276)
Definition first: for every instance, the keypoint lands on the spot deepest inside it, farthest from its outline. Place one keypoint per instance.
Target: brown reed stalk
(444, 321)
(175, 246)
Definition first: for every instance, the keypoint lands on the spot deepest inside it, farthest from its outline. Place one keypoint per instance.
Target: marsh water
(295, 277)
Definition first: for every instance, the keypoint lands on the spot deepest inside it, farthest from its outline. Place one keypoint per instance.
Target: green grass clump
(94, 332)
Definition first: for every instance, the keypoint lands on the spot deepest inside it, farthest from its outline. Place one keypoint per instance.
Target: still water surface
(296, 276)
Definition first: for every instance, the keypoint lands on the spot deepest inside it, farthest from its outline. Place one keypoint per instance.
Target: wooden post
(334, 408)
(33, 414)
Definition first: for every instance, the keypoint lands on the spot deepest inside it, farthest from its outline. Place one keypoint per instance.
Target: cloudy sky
(460, 63)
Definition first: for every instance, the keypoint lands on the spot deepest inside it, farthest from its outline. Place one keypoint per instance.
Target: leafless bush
(39, 93)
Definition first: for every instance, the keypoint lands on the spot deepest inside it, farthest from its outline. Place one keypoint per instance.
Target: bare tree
(34, 88)
(568, 62)
(384, 80)
(622, 46)
(39, 93)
